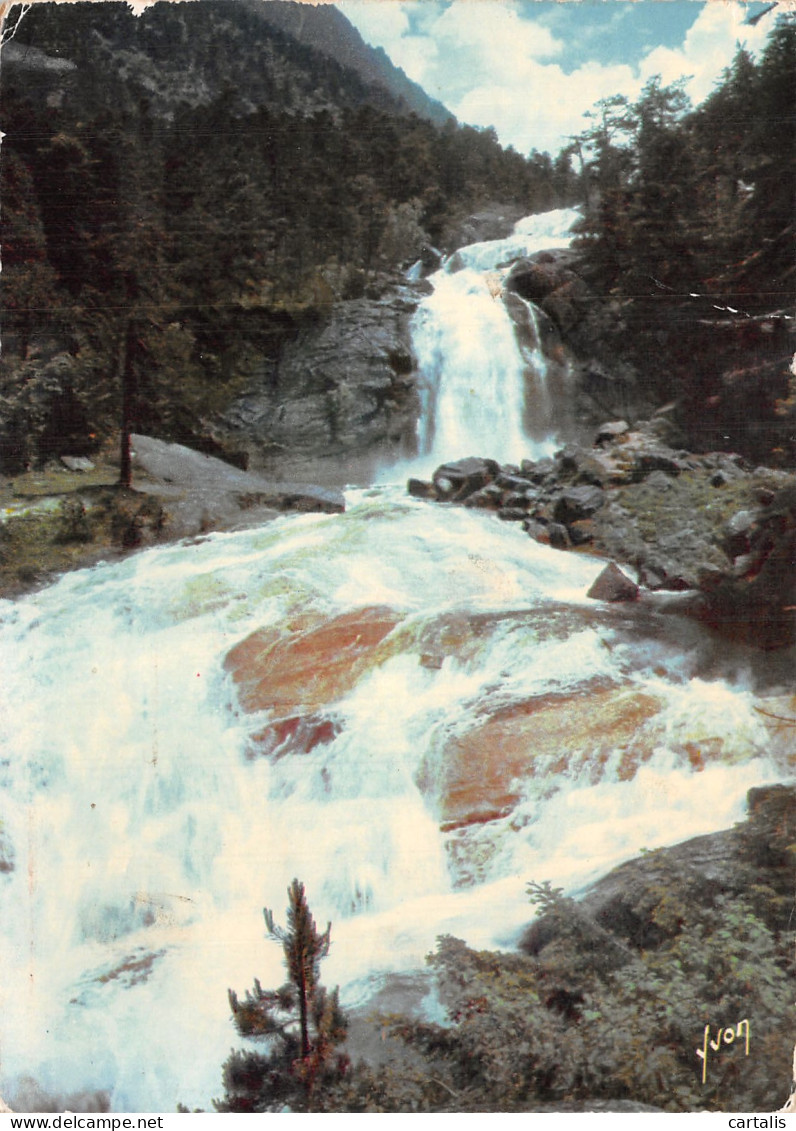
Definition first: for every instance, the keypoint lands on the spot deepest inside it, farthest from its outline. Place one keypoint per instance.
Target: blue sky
(530, 68)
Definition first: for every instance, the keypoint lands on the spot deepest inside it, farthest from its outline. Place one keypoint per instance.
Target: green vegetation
(688, 240)
(167, 228)
(49, 527)
(594, 1013)
(301, 1022)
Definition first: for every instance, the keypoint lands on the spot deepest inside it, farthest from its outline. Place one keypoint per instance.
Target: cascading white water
(475, 373)
(147, 828)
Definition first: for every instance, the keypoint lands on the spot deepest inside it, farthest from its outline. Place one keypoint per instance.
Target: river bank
(708, 534)
(73, 513)
(414, 708)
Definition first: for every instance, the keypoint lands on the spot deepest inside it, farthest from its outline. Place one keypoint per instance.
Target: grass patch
(660, 512)
(54, 480)
(57, 534)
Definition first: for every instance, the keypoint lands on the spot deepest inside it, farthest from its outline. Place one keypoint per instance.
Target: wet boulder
(488, 498)
(455, 481)
(482, 769)
(421, 489)
(535, 277)
(495, 222)
(512, 481)
(536, 529)
(701, 871)
(728, 552)
(581, 532)
(613, 585)
(662, 459)
(611, 432)
(522, 499)
(6, 852)
(756, 602)
(297, 734)
(578, 502)
(537, 471)
(577, 465)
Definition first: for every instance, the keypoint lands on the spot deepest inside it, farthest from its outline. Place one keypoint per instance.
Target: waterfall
(413, 709)
(483, 394)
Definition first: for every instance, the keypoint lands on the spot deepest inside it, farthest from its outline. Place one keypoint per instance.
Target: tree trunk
(127, 367)
(305, 1036)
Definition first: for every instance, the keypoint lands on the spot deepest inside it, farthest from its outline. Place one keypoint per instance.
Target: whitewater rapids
(144, 824)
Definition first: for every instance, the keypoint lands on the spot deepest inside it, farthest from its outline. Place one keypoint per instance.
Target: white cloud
(495, 36)
(492, 67)
(709, 47)
(377, 21)
(549, 106)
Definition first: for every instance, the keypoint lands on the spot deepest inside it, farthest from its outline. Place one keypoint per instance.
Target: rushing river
(482, 385)
(412, 708)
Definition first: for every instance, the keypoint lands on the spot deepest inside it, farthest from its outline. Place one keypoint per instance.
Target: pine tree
(721, 141)
(28, 278)
(768, 269)
(302, 1023)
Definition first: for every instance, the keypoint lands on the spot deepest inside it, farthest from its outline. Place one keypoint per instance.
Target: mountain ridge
(324, 27)
(295, 56)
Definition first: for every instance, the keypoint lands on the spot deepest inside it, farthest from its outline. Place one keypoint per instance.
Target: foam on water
(146, 841)
(479, 385)
(147, 838)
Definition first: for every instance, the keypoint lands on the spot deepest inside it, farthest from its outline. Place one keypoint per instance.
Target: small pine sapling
(302, 1022)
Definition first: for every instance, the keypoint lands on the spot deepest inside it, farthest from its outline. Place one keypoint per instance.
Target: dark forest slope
(327, 30)
(183, 190)
(689, 249)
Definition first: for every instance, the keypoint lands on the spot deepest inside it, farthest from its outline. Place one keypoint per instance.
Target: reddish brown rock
(299, 734)
(483, 769)
(313, 666)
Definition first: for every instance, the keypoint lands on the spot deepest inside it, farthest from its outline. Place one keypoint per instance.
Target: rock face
(297, 734)
(484, 768)
(707, 867)
(708, 527)
(613, 585)
(342, 388)
(312, 667)
(7, 854)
